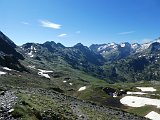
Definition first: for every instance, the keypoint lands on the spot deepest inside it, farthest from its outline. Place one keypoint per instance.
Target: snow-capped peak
(157, 40)
(145, 45)
(123, 45)
(109, 46)
(135, 46)
(113, 43)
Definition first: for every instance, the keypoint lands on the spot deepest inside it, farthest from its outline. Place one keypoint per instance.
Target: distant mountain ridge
(79, 56)
(112, 62)
(113, 51)
(109, 52)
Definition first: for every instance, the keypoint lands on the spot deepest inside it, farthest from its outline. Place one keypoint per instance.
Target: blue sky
(85, 21)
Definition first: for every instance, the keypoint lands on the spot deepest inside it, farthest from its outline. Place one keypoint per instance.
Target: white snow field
(134, 101)
(153, 116)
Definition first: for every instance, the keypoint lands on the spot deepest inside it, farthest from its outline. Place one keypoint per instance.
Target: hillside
(9, 57)
(58, 82)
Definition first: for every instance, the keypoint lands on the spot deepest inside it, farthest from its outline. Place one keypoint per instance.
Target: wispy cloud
(78, 32)
(48, 24)
(25, 23)
(126, 33)
(62, 35)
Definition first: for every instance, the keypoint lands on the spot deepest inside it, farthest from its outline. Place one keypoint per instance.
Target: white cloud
(126, 33)
(46, 23)
(62, 35)
(25, 23)
(78, 32)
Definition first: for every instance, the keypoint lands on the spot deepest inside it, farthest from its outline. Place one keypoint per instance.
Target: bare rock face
(8, 55)
(7, 47)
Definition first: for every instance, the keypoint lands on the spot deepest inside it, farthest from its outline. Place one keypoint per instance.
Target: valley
(50, 81)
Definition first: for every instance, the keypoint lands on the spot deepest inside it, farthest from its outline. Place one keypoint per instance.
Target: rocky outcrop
(7, 100)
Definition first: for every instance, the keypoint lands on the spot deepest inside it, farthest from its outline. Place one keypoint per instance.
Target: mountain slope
(57, 84)
(113, 51)
(141, 66)
(79, 56)
(7, 47)
(8, 55)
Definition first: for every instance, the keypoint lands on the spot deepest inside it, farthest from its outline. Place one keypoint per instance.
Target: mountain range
(106, 61)
(74, 80)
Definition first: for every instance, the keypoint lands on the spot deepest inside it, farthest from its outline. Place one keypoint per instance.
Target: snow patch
(32, 50)
(11, 110)
(6, 68)
(30, 54)
(82, 88)
(139, 56)
(64, 81)
(134, 46)
(31, 47)
(134, 101)
(114, 95)
(123, 45)
(136, 93)
(71, 83)
(153, 116)
(102, 47)
(108, 46)
(44, 73)
(2, 73)
(146, 89)
(31, 66)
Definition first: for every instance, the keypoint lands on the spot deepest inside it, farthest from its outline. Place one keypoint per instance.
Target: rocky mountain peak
(79, 45)
(7, 47)
(154, 47)
(7, 40)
